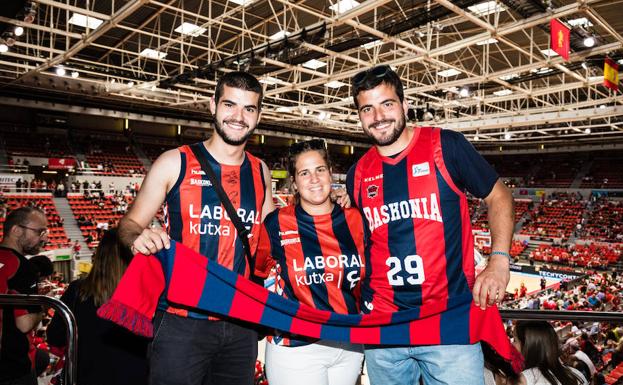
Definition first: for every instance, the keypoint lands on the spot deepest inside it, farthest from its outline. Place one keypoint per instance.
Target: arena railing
(70, 371)
(561, 315)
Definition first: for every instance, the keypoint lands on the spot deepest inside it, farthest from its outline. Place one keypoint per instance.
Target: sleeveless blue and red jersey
(319, 259)
(195, 216)
(420, 252)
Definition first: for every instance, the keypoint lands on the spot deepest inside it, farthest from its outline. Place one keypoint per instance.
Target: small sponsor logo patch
(200, 182)
(420, 169)
(197, 172)
(373, 190)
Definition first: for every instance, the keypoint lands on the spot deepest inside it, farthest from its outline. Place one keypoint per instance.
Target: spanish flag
(559, 41)
(611, 74)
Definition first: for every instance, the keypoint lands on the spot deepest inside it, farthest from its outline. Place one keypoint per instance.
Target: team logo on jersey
(200, 182)
(373, 190)
(197, 172)
(420, 169)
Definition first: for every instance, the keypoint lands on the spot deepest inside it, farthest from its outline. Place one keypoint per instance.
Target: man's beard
(399, 127)
(229, 140)
(34, 249)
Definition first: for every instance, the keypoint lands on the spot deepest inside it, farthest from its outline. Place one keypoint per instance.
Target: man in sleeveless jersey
(193, 348)
(410, 188)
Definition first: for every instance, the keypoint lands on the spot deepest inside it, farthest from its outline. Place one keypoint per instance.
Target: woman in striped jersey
(317, 250)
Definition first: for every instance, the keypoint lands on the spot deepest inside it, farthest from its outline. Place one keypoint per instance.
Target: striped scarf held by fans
(191, 280)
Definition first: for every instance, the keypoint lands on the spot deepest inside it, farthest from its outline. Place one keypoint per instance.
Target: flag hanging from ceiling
(559, 41)
(611, 74)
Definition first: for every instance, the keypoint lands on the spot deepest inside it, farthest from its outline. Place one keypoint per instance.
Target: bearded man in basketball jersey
(410, 188)
(193, 348)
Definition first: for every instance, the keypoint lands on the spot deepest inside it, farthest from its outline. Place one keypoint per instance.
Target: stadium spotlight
(30, 11)
(9, 38)
(589, 42)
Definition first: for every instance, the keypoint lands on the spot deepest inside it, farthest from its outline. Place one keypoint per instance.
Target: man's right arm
(133, 230)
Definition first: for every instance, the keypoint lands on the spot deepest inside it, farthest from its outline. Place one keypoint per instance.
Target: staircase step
(71, 227)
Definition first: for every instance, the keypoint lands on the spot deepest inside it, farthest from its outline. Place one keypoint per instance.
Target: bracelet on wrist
(507, 255)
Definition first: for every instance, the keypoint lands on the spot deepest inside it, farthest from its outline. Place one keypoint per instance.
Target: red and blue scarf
(191, 280)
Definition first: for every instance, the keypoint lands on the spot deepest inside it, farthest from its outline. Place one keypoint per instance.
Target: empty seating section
(153, 151)
(557, 170)
(57, 237)
(605, 222)
(113, 158)
(36, 145)
(606, 171)
(556, 218)
(517, 166)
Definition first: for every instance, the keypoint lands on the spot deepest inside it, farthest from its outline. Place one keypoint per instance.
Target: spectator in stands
(25, 232)
(107, 353)
(538, 343)
(76, 249)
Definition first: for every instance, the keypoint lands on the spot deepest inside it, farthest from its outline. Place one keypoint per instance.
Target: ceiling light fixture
(3, 47)
(60, 71)
(152, 54)
(486, 8)
(314, 64)
(75, 74)
(190, 29)
(335, 84)
(464, 93)
(18, 31)
(549, 52)
(343, 6)
(449, 72)
(85, 21)
(587, 131)
(589, 42)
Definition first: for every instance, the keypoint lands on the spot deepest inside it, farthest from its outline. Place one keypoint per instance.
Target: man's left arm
(490, 285)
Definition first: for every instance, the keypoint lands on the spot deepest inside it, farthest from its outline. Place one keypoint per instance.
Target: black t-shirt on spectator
(14, 361)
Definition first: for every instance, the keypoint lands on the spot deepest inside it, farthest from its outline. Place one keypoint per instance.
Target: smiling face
(236, 115)
(382, 115)
(312, 180)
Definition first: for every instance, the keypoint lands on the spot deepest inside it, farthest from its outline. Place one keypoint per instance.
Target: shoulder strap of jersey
(441, 164)
(241, 229)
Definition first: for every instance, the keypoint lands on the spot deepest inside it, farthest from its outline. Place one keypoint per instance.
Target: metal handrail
(561, 315)
(67, 316)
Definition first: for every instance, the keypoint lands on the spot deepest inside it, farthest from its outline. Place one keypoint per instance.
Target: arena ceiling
(475, 66)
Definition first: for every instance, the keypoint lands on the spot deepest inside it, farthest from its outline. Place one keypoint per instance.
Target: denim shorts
(436, 365)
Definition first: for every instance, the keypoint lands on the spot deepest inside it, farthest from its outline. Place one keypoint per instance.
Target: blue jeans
(436, 365)
(188, 351)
